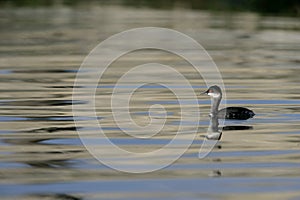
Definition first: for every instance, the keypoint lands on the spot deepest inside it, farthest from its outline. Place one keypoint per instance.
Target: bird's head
(213, 91)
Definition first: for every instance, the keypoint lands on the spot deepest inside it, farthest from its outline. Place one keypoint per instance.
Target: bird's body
(236, 113)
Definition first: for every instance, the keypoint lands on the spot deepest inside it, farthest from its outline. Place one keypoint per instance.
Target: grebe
(237, 113)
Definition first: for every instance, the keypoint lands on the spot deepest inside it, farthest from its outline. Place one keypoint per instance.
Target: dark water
(41, 156)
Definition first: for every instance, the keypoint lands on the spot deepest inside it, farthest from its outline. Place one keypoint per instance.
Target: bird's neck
(215, 105)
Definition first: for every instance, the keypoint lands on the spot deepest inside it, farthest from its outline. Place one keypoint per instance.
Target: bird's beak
(204, 93)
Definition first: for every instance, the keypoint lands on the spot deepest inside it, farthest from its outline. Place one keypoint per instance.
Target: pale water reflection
(41, 156)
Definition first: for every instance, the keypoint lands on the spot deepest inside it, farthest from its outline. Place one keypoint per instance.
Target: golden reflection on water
(41, 53)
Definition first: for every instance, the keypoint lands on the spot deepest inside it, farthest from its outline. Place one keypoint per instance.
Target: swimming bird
(237, 113)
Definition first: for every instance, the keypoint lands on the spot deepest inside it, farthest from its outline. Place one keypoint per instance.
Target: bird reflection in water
(214, 132)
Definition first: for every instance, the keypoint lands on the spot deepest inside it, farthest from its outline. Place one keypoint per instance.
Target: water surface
(41, 155)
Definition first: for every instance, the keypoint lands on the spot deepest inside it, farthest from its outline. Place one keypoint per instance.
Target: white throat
(214, 95)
